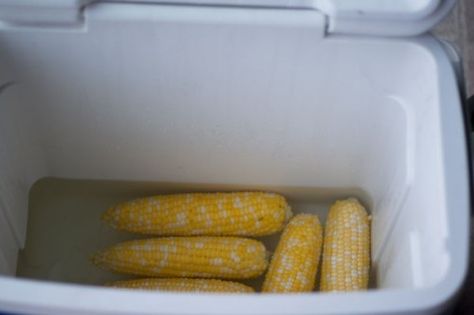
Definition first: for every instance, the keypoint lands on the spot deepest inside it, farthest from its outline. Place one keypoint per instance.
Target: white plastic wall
(21, 163)
(244, 97)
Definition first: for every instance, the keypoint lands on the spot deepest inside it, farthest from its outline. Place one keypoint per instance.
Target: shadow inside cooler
(140, 107)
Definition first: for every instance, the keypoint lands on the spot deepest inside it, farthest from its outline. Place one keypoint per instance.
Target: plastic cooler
(333, 94)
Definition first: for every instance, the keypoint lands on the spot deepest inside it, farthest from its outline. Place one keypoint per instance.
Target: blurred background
(458, 29)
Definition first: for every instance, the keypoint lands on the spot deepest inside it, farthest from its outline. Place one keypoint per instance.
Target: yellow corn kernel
(184, 285)
(295, 263)
(346, 252)
(238, 214)
(204, 257)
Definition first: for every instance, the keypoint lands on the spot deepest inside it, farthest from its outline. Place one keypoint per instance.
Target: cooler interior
(154, 99)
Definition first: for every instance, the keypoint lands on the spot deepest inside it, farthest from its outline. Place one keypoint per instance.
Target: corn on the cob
(238, 214)
(295, 263)
(184, 285)
(346, 252)
(204, 257)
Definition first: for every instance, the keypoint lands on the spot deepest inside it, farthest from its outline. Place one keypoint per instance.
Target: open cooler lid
(383, 17)
(363, 17)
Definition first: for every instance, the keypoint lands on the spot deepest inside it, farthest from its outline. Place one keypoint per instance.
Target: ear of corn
(239, 214)
(205, 257)
(346, 253)
(294, 265)
(184, 285)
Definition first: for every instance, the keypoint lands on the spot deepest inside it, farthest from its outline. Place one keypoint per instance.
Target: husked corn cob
(239, 214)
(204, 257)
(346, 252)
(184, 285)
(295, 263)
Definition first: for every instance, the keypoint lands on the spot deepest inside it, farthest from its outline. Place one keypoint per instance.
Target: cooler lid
(362, 17)
(383, 17)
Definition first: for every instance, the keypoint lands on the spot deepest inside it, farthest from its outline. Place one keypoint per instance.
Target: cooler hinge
(71, 15)
(59, 13)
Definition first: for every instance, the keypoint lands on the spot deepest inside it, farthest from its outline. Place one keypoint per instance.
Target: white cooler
(310, 94)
